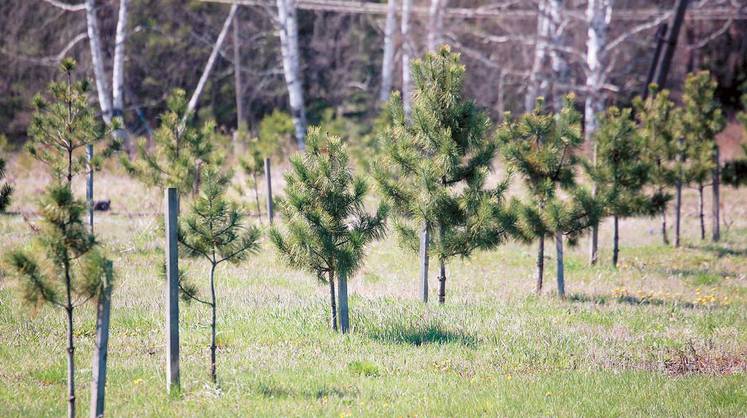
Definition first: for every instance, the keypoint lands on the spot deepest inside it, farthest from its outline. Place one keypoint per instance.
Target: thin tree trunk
(442, 271)
(664, 236)
(701, 212)
(70, 346)
(387, 66)
(240, 122)
(424, 242)
(560, 68)
(406, 52)
(615, 241)
(210, 62)
(435, 23)
(540, 265)
(342, 296)
(120, 40)
(256, 197)
(560, 264)
(213, 308)
(332, 302)
(97, 57)
(598, 15)
(535, 85)
(670, 44)
(716, 233)
(288, 30)
(677, 212)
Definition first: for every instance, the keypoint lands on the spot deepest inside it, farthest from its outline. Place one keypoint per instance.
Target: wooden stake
(98, 384)
(268, 182)
(424, 262)
(171, 209)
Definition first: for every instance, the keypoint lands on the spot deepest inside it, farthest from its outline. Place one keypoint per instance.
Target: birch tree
(435, 23)
(598, 16)
(536, 86)
(407, 50)
(387, 66)
(288, 32)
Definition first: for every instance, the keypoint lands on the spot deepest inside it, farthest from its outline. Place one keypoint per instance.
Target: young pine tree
(702, 119)
(6, 190)
(621, 171)
(179, 152)
(543, 149)
(214, 230)
(326, 225)
(64, 265)
(259, 148)
(433, 169)
(657, 123)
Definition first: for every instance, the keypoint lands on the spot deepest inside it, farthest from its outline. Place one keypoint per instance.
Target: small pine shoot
(214, 230)
(327, 228)
(179, 150)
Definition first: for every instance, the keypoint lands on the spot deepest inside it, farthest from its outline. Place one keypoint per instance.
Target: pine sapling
(215, 230)
(434, 167)
(327, 227)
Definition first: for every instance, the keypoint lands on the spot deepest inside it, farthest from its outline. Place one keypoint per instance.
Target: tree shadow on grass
(272, 389)
(417, 336)
(627, 300)
(720, 250)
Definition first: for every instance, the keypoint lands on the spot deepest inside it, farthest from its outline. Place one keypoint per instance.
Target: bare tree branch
(65, 6)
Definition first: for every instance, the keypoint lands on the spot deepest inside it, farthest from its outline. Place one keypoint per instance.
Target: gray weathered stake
(268, 182)
(98, 384)
(424, 262)
(171, 209)
(342, 302)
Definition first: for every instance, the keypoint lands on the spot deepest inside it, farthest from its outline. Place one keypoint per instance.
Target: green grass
(621, 344)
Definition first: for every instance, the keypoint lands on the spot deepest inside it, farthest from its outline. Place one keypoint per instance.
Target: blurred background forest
(168, 43)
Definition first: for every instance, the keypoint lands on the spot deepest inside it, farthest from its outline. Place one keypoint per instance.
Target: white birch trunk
(387, 66)
(535, 86)
(288, 30)
(560, 69)
(598, 15)
(211, 61)
(406, 52)
(435, 23)
(97, 58)
(120, 39)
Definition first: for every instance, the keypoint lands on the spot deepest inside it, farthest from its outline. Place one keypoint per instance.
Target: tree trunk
(98, 383)
(387, 66)
(560, 264)
(442, 281)
(677, 211)
(670, 44)
(615, 241)
(120, 40)
(238, 89)
(535, 86)
(424, 242)
(406, 52)
(716, 233)
(701, 212)
(342, 303)
(210, 62)
(333, 305)
(288, 29)
(664, 236)
(213, 308)
(97, 58)
(598, 15)
(70, 345)
(540, 265)
(560, 68)
(435, 23)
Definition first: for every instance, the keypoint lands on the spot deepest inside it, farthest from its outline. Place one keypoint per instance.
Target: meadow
(664, 334)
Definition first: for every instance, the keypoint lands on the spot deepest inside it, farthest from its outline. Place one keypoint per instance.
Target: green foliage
(327, 226)
(63, 124)
(621, 170)
(734, 172)
(6, 190)
(433, 168)
(275, 131)
(657, 122)
(701, 119)
(179, 150)
(543, 148)
(214, 228)
(64, 258)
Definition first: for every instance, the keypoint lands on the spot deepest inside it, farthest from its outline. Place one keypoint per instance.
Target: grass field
(664, 335)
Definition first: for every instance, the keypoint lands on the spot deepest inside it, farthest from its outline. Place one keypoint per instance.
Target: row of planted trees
(433, 172)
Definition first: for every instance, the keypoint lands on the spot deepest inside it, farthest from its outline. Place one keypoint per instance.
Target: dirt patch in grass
(692, 360)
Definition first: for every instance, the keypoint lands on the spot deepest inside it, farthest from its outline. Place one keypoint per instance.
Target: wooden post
(98, 384)
(560, 264)
(342, 302)
(424, 262)
(171, 209)
(268, 182)
(89, 185)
